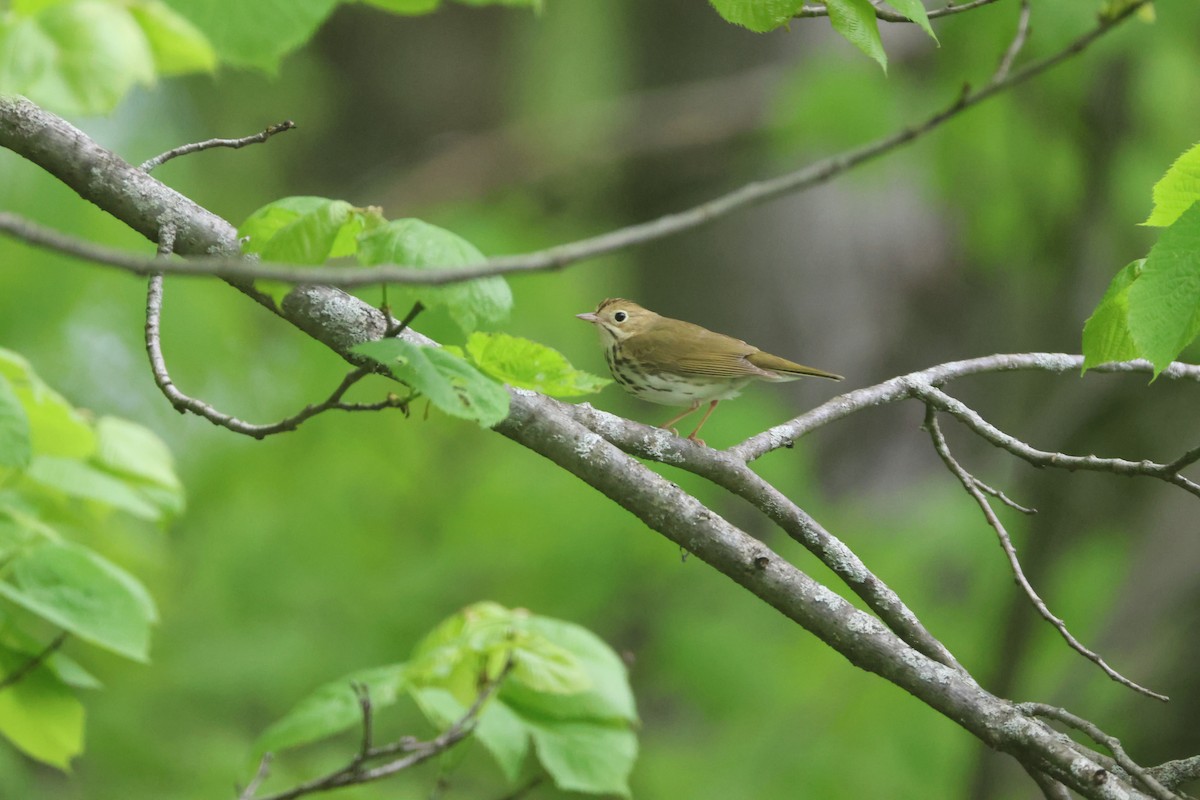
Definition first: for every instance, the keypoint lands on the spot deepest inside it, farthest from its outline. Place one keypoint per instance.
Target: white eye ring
(620, 316)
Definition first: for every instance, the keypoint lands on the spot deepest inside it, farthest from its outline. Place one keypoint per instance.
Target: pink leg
(704, 419)
(679, 416)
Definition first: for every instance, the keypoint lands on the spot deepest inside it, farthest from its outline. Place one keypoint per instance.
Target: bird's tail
(788, 370)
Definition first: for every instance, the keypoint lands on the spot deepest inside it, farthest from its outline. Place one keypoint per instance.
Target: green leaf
(257, 33)
(450, 383)
(607, 699)
(178, 46)
(334, 708)
(40, 715)
(84, 594)
(65, 669)
(80, 57)
(16, 444)
(405, 6)
(855, 21)
(303, 230)
(914, 10)
(585, 757)
(1106, 334)
(417, 244)
(759, 16)
(85, 482)
(528, 365)
(497, 728)
(133, 450)
(506, 737)
(1176, 191)
(1164, 300)
(55, 427)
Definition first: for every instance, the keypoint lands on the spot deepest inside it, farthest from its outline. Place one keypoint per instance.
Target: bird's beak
(588, 317)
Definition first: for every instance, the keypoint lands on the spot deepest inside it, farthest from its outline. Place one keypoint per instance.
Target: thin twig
(185, 403)
(905, 387)
(414, 751)
(885, 15)
(555, 258)
(34, 661)
(1093, 732)
(260, 775)
(1043, 458)
(1014, 47)
(394, 328)
(196, 147)
(969, 483)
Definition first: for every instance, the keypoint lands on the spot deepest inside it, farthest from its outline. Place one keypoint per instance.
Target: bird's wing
(697, 351)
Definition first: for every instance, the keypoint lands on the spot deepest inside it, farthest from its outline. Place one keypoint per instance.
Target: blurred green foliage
(308, 556)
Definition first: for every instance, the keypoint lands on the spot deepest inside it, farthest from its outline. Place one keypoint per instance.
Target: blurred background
(308, 555)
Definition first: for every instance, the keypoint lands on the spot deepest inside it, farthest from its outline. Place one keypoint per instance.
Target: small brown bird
(676, 363)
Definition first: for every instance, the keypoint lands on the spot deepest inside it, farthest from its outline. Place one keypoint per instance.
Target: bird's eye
(620, 316)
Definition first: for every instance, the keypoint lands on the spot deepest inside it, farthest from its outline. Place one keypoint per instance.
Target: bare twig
(185, 403)
(1043, 458)
(1092, 731)
(560, 256)
(917, 384)
(394, 328)
(1014, 47)
(34, 661)
(886, 15)
(415, 751)
(260, 775)
(971, 485)
(196, 147)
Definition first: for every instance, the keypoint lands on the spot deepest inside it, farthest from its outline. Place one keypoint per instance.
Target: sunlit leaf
(130, 449)
(758, 15)
(257, 33)
(855, 20)
(16, 444)
(529, 365)
(83, 481)
(1106, 334)
(302, 230)
(417, 244)
(1176, 191)
(914, 10)
(79, 57)
(450, 383)
(178, 46)
(586, 757)
(39, 714)
(405, 6)
(1164, 301)
(56, 428)
(80, 592)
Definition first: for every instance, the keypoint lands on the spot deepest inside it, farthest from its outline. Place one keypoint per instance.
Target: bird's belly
(674, 390)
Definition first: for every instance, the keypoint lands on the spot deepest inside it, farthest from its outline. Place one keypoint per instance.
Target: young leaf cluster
(312, 230)
(854, 20)
(83, 56)
(565, 704)
(62, 473)
(1152, 307)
